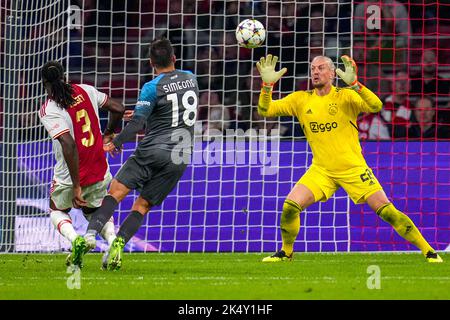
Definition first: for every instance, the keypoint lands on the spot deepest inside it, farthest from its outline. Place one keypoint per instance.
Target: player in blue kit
(167, 107)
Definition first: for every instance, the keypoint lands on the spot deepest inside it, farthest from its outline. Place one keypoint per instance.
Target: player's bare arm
(116, 112)
(71, 157)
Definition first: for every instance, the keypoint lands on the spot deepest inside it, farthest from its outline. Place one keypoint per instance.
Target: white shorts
(62, 194)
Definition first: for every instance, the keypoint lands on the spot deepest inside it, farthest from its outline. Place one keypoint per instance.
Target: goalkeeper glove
(266, 68)
(350, 76)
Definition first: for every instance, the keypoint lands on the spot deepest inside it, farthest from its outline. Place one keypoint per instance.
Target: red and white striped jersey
(82, 121)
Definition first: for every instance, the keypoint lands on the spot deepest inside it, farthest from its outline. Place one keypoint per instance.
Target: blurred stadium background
(402, 49)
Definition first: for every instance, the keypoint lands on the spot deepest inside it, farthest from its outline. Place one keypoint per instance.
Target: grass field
(227, 276)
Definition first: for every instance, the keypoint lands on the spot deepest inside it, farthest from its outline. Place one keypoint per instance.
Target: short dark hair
(161, 52)
(53, 73)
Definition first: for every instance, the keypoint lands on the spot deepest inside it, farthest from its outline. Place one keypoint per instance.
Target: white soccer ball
(250, 33)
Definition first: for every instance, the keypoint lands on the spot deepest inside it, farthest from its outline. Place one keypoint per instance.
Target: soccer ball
(250, 33)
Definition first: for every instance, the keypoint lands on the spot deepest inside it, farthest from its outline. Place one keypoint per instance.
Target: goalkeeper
(327, 116)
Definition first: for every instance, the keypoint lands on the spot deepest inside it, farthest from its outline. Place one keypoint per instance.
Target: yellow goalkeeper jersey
(329, 122)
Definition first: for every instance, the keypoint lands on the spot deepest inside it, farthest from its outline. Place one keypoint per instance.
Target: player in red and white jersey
(81, 174)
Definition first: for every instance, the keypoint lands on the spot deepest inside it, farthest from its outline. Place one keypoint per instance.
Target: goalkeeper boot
(78, 251)
(278, 257)
(433, 257)
(115, 254)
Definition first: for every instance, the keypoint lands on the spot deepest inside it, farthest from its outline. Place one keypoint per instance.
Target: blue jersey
(168, 107)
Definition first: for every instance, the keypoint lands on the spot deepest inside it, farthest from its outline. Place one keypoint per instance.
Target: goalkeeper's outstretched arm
(370, 100)
(265, 99)
(266, 67)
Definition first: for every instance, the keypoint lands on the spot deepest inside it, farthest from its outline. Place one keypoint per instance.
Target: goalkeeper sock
(101, 216)
(130, 226)
(290, 225)
(108, 231)
(63, 224)
(404, 226)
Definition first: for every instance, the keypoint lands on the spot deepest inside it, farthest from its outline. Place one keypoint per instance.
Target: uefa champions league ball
(250, 33)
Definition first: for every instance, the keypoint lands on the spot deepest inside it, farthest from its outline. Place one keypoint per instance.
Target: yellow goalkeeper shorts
(358, 182)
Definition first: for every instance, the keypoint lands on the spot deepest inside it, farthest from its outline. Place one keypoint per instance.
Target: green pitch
(227, 276)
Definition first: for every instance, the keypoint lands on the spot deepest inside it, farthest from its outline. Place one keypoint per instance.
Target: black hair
(161, 52)
(61, 92)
